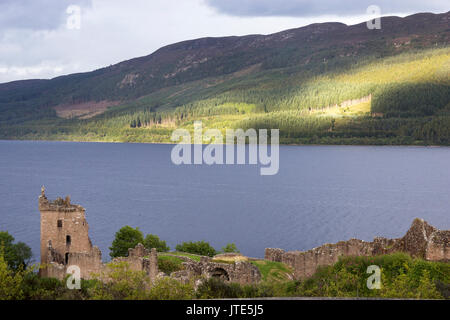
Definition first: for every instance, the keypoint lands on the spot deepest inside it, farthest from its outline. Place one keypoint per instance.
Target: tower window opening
(67, 257)
(68, 240)
(59, 223)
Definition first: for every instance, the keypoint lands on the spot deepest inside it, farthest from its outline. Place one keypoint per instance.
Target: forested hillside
(324, 83)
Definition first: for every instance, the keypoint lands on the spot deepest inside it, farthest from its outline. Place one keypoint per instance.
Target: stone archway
(220, 273)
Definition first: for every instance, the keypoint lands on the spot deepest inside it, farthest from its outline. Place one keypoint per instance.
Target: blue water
(322, 194)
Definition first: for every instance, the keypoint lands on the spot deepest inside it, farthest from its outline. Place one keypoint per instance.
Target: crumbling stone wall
(241, 272)
(141, 259)
(88, 262)
(55, 270)
(438, 246)
(421, 240)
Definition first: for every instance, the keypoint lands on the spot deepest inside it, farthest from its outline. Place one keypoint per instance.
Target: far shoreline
(281, 144)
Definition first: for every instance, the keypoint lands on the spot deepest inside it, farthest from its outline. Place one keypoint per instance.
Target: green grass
(170, 258)
(169, 264)
(181, 254)
(273, 271)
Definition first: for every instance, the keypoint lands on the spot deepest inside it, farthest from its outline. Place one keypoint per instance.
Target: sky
(47, 38)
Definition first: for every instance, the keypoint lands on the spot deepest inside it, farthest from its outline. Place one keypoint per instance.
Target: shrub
(127, 237)
(214, 288)
(201, 248)
(170, 289)
(17, 255)
(153, 241)
(123, 283)
(217, 289)
(230, 248)
(10, 281)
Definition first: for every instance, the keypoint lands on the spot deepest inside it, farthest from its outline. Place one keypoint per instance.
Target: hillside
(323, 83)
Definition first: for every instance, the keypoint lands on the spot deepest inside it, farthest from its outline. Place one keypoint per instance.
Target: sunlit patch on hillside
(356, 110)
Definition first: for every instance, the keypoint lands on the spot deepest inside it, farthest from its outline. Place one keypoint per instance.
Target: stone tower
(64, 239)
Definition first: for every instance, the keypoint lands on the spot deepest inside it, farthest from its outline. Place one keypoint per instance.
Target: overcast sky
(41, 39)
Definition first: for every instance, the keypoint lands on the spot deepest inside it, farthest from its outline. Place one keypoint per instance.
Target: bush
(10, 281)
(230, 248)
(123, 283)
(153, 241)
(37, 288)
(17, 255)
(217, 289)
(170, 289)
(127, 237)
(201, 248)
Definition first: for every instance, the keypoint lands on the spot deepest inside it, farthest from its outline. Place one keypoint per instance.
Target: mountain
(398, 74)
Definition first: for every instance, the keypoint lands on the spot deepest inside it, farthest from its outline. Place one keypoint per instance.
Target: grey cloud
(36, 14)
(307, 8)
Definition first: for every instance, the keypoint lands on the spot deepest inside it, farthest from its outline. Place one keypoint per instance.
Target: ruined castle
(65, 242)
